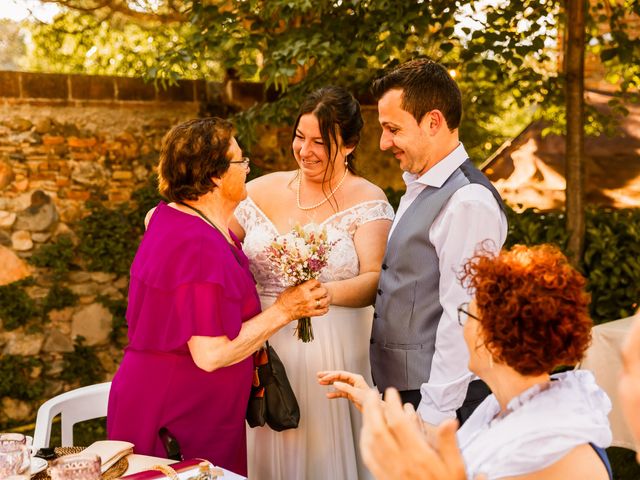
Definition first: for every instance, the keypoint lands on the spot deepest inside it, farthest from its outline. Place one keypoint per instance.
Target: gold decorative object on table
(112, 473)
(193, 469)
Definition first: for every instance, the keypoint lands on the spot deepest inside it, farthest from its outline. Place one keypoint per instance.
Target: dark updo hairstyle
(532, 307)
(335, 109)
(191, 154)
(426, 86)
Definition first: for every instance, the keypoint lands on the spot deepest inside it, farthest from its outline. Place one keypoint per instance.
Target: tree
(111, 44)
(575, 28)
(507, 61)
(512, 45)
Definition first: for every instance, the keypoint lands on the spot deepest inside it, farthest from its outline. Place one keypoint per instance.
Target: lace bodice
(341, 227)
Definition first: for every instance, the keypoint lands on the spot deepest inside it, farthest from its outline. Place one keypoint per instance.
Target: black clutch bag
(272, 400)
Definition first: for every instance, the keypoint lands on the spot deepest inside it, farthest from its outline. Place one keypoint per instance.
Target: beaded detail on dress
(341, 227)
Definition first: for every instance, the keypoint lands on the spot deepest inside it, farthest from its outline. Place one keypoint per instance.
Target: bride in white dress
(326, 191)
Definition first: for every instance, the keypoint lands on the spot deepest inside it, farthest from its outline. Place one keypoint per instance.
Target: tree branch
(121, 7)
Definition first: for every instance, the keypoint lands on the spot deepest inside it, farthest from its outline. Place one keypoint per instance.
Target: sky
(20, 9)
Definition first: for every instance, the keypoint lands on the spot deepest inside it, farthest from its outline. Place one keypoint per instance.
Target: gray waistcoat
(407, 309)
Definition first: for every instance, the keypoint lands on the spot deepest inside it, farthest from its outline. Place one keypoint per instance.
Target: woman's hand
(309, 299)
(347, 385)
(393, 446)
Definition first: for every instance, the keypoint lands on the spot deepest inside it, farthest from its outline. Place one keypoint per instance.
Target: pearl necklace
(326, 199)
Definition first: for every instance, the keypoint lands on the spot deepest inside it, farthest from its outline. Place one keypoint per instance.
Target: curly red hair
(533, 307)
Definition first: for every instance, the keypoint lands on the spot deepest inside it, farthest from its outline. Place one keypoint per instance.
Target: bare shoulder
(362, 190)
(148, 216)
(263, 187)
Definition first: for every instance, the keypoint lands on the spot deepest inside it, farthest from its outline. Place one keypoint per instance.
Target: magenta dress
(185, 281)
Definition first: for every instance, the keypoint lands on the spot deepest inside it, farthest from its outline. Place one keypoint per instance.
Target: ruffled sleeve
(374, 210)
(203, 309)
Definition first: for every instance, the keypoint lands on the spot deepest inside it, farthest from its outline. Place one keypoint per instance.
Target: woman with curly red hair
(529, 316)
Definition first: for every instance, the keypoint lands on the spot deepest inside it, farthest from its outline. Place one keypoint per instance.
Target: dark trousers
(476, 393)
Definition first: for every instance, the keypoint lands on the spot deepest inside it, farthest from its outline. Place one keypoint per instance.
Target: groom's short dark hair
(426, 85)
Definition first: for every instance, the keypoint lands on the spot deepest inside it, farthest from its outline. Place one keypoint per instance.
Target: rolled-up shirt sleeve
(471, 219)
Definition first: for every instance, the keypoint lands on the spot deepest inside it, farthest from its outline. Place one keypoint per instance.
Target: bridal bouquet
(298, 256)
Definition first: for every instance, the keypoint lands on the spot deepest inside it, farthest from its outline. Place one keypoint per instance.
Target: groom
(449, 209)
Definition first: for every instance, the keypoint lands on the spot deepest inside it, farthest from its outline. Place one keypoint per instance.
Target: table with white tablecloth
(604, 360)
(139, 463)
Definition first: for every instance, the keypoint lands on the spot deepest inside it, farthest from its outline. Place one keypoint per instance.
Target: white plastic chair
(74, 406)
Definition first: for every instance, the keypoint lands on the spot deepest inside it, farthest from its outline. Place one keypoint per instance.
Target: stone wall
(67, 139)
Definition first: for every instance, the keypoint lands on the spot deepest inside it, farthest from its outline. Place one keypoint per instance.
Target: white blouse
(542, 426)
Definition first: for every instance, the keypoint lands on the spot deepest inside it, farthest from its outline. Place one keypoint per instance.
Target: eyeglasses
(463, 314)
(245, 162)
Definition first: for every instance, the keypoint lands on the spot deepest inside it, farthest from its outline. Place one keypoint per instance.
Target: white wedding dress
(325, 444)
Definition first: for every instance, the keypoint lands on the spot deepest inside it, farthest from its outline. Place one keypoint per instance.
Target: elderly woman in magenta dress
(194, 314)
(324, 189)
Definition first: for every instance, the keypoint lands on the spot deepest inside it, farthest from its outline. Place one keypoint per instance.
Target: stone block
(21, 241)
(19, 343)
(102, 277)
(19, 124)
(79, 277)
(6, 174)
(77, 195)
(62, 316)
(134, 89)
(53, 140)
(16, 410)
(45, 85)
(39, 237)
(21, 185)
(7, 219)
(93, 322)
(13, 268)
(119, 196)
(88, 173)
(84, 289)
(43, 125)
(75, 142)
(85, 87)
(122, 175)
(9, 84)
(40, 215)
(57, 341)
